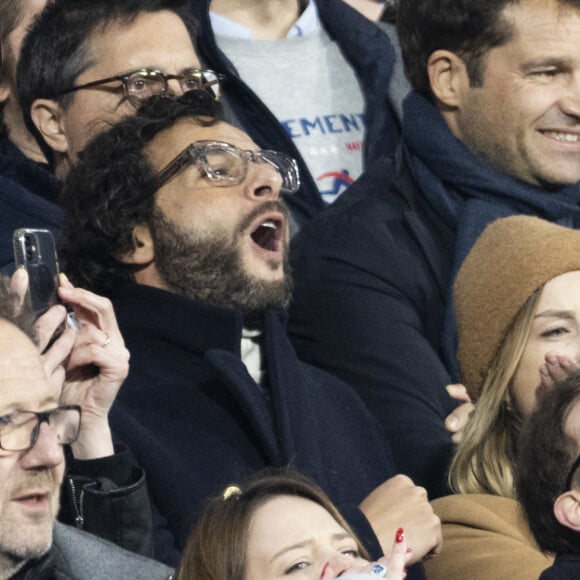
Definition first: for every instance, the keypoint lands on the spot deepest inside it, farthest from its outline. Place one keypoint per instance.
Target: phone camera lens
(30, 247)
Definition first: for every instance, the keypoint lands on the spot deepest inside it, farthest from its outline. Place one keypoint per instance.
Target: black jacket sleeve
(108, 497)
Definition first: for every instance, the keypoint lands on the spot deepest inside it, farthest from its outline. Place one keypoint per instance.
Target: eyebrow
(556, 314)
(16, 406)
(335, 538)
(546, 62)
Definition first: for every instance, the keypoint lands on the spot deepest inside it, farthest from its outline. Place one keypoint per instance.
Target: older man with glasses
(177, 216)
(39, 414)
(83, 66)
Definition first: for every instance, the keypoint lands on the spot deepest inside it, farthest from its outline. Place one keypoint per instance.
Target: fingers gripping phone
(35, 250)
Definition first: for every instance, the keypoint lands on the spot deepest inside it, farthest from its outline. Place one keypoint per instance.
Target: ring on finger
(379, 570)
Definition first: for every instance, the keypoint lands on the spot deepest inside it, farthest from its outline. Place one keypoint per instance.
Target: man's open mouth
(268, 234)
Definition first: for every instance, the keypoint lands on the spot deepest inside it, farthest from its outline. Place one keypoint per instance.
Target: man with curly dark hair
(177, 216)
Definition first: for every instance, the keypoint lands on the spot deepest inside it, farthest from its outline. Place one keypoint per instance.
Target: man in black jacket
(491, 129)
(177, 217)
(38, 415)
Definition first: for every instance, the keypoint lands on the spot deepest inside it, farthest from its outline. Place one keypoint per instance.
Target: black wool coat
(197, 421)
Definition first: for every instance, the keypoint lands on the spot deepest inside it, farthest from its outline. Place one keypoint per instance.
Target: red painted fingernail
(399, 536)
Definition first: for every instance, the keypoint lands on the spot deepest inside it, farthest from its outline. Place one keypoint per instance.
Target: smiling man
(491, 129)
(177, 216)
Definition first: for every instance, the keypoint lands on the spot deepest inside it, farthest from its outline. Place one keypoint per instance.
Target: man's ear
(143, 251)
(567, 509)
(448, 77)
(48, 116)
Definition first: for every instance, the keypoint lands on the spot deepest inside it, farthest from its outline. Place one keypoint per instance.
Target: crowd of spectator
(321, 311)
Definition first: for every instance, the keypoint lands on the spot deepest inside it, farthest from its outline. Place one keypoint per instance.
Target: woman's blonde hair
(484, 460)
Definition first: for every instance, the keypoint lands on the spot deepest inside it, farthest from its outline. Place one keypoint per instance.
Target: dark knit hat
(513, 257)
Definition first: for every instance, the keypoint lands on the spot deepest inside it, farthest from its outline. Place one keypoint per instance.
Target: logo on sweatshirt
(332, 183)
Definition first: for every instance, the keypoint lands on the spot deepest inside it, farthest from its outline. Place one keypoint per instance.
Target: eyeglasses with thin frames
(141, 84)
(225, 164)
(19, 430)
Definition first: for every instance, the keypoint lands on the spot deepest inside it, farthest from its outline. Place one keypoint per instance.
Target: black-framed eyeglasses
(571, 473)
(19, 430)
(225, 164)
(141, 84)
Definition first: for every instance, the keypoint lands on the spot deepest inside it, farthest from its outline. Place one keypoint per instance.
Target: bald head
(20, 361)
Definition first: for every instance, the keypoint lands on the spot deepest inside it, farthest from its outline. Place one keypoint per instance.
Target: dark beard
(211, 270)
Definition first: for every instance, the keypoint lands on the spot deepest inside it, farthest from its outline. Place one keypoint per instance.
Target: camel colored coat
(485, 537)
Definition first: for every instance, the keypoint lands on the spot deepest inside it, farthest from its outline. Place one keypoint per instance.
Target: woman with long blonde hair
(484, 459)
(517, 308)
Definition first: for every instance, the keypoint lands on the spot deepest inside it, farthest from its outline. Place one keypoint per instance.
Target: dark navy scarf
(468, 194)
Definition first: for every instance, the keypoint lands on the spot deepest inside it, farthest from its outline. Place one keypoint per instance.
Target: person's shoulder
(381, 219)
(83, 555)
(471, 505)
(565, 567)
(374, 198)
(485, 536)
(484, 512)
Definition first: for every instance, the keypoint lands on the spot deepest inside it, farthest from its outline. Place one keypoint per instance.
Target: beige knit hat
(513, 257)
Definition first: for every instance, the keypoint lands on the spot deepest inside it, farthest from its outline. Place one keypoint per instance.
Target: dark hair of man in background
(545, 456)
(106, 197)
(425, 26)
(56, 50)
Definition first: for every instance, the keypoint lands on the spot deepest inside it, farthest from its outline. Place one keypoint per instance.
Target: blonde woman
(517, 305)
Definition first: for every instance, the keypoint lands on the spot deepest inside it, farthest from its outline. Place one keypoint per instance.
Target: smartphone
(35, 250)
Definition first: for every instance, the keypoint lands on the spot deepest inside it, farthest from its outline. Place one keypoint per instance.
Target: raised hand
(557, 367)
(396, 503)
(391, 567)
(95, 369)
